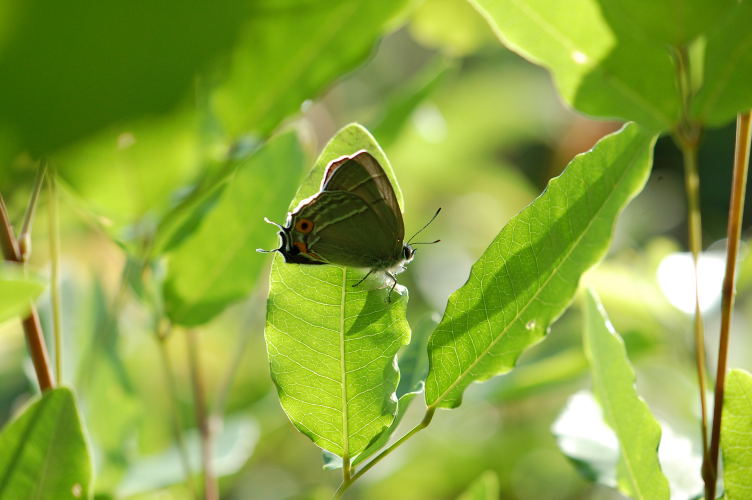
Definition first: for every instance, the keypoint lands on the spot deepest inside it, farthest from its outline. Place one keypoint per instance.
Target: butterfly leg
(363, 278)
(394, 284)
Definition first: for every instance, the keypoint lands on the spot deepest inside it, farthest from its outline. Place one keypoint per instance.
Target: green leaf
(600, 65)
(331, 346)
(217, 264)
(290, 51)
(16, 293)
(43, 452)
(529, 273)
(638, 472)
(728, 69)
(736, 435)
(485, 487)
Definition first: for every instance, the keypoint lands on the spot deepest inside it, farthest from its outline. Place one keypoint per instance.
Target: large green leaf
(601, 65)
(529, 274)
(43, 452)
(16, 292)
(217, 264)
(638, 473)
(728, 68)
(331, 346)
(736, 435)
(289, 51)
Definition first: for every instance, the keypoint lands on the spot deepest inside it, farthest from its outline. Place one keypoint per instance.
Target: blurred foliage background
(145, 109)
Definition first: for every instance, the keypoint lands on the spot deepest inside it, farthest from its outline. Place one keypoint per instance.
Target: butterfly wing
(340, 227)
(362, 175)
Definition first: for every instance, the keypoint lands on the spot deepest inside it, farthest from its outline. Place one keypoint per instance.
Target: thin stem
(161, 336)
(31, 326)
(687, 137)
(24, 237)
(211, 489)
(736, 211)
(422, 425)
(54, 237)
(694, 226)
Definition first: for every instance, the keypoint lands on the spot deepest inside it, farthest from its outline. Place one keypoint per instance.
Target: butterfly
(354, 220)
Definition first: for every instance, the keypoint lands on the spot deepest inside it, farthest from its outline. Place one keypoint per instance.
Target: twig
(31, 326)
(54, 237)
(736, 211)
(211, 489)
(24, 237)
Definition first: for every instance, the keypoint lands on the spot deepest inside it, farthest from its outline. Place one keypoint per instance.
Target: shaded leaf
(289, 51)
(728, 68)
(736, 435)
(331, 346)
(638, 473)
(61, 84)
(217, 264)
(43, 452)
(600, 65)
(689, 18)
(529, 273)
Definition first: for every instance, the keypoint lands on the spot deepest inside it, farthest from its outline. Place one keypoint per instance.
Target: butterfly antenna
(423, 228)
(425, 242)
(261, 250)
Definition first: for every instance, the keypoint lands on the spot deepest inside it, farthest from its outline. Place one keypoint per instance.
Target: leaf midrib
(343, 374)
(553, 273)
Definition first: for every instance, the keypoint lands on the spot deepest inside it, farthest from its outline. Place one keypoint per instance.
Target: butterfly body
(354, 220)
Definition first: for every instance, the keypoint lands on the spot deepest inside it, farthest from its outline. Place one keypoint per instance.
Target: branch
(736, 211)
(31, 326)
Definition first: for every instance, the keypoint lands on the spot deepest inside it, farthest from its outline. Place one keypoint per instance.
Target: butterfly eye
(300, 247)
(304, 226)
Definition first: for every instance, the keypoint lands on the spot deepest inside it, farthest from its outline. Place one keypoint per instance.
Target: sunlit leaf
(331, 346)
(728, 68)
(736, 435)
(43, 452)
(638, 472)
(600, 64)
(528, 275)
(16, 293)
(485, 487)
(289, 51)
(218, 264)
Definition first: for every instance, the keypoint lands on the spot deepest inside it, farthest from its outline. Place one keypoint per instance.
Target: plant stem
(422, 425)
(211, 489)
(54, 237)
(736, 211)
(161, 335)
(687, 137)
(694, 227)
(31, 326)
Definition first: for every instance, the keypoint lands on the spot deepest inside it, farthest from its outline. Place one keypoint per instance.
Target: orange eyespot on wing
(304, 226)
(300, 246)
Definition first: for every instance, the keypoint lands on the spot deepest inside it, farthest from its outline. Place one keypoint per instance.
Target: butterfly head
(408, 252)
(294, 252)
